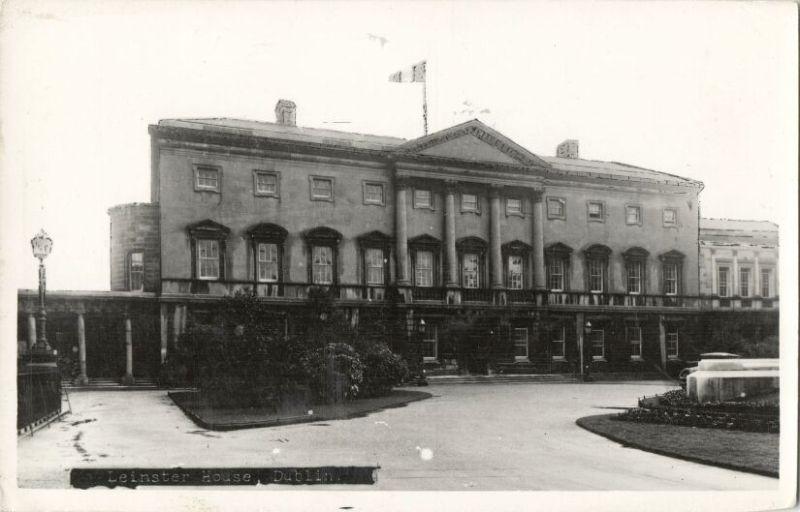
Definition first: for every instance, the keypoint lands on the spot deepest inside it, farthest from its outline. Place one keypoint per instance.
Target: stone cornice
(449, 174)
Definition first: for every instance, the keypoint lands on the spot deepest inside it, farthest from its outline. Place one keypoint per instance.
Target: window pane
(268, 263)
(208, 259)
(672, 343)
(266, 183)
(722, 281)
(207, 178)
(422, 198)
(373, 193)
(670, 216)
(597, 342)
(424, 269)
(513, 205)
(322, 188)
(556, 269)
(670, 279)
(595, 276)
(515, 272)
(595, 210)
(136, 272)
(766, 285)
(557, 344)
(430, 341)
(555, 208)
(374, 262)
(634, 277)
(635, 339)
(322, 265)
(744, 282)
(470, 273)
(633, 214)
(520, 336)
(469, 202)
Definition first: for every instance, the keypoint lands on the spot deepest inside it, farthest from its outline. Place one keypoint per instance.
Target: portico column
(662, 341)
(128, 378)
(579, 332)
(451, 258)
(164, 331)
(83, 378)
(176, 325)
(31, 330)
(538, 242)
(494, 233)
(735, 276)
(401, 229)
(756, 276)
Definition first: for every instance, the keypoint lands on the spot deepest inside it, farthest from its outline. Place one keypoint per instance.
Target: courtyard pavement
(519, 436)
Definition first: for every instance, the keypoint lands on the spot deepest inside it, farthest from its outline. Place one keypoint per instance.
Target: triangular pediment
(472, 141)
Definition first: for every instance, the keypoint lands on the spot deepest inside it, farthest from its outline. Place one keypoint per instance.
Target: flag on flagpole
(415, 73)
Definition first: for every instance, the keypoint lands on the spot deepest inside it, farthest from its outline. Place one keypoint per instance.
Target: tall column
(451, 258)
(401, 229)
(176, 325)
(756, 276)
(662, 341)
(494, 234)
(735, 276)
(83, 378)
(714, 289)
(128, 378)
(538, 242)
(164, 331)
(31, 330)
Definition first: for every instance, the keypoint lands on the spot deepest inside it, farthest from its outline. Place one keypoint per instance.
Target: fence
(38, 395)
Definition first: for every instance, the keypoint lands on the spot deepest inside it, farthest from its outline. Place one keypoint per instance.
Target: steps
(502, 379)
(108, 384)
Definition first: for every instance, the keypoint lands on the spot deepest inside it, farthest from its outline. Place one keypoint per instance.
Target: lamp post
(421, 380)
(42, 244)
(587, 361)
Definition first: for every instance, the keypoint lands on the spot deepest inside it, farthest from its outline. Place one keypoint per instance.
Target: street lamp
(42, 244)
(587, 329)
(421, 380)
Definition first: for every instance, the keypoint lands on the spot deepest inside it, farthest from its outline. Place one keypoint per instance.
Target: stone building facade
(551, 263)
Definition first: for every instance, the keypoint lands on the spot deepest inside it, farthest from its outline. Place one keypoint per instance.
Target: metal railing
(38, 394)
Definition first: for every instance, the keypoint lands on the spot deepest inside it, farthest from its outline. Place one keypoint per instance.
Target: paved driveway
(479, 436)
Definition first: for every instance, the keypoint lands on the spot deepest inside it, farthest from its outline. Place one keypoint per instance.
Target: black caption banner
(133, 477)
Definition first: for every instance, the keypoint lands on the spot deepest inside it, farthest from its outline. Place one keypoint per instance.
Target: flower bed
(674, 408)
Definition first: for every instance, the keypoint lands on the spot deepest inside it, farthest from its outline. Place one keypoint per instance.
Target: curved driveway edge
(602, 424)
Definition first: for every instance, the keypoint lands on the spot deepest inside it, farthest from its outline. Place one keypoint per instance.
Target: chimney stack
(286, 113)
(567, 149)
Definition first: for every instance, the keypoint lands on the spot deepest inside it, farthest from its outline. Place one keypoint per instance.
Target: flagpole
(425, 104)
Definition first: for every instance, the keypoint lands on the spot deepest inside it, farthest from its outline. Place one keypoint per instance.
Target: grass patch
(754, 452)
(216, 418)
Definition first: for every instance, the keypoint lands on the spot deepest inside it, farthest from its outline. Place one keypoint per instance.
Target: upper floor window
(423, 268)
(635, 264)
(265, 183)
(744, 282)
(323, 254)
(208, 259)
(207, 178)
(633, 215)
(515, 272)
(321, 189)
(634, 335)
(470, 203)
(136, 271)
(557, 257)
(766, 282)
(596, 268)
(671, 273)
(595, 211)
(374, 266)
(267, 245)
(208, 250)
(556, 208)
(470, 270)
(375, 250)
(423, 198)
(670, 217)
(513, 206)
(723, 283)
(634, 269)
(672, 342)
(670, 278)
(373, 193)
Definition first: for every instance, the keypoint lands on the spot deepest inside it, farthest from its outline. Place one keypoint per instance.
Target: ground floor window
(430, 342)
(558, 343)
(634, 335)
(520, 335)
(597, 343)
(672, 343)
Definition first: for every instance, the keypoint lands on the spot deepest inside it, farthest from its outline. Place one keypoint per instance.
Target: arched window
(596, 275)
(557, 258)
(267, 250)
(635, 270)
(672, 273)
(323, 255)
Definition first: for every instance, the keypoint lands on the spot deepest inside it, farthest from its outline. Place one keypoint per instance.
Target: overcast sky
(706, 91)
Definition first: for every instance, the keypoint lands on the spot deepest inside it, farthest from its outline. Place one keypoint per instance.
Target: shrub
(337, 365)
(383, 370)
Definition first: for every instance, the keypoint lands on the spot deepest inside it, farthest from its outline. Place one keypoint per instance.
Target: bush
(333, 372)
(383, 370)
